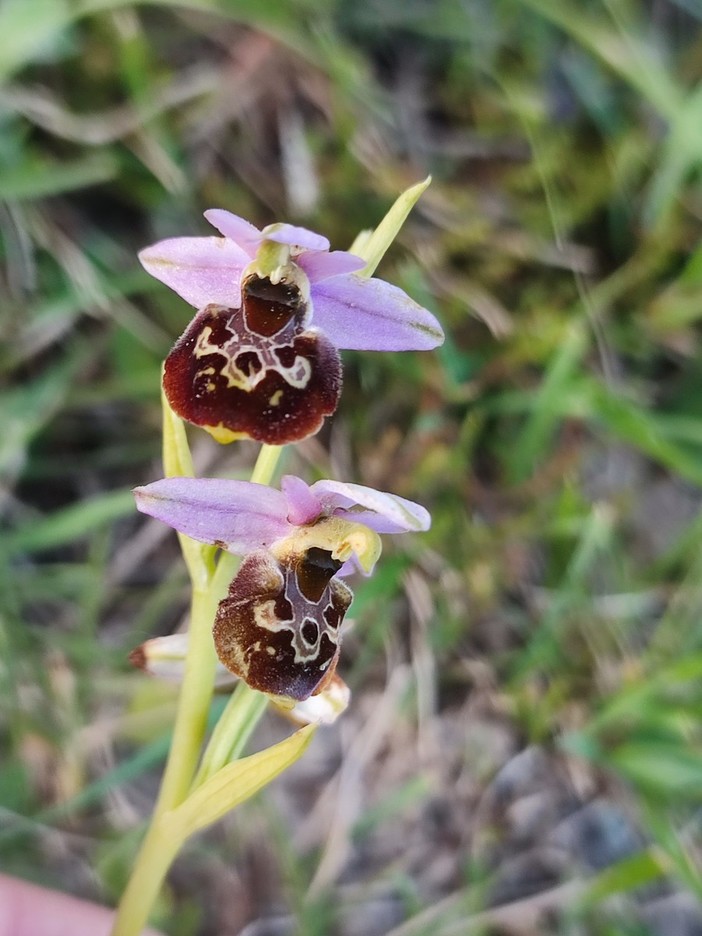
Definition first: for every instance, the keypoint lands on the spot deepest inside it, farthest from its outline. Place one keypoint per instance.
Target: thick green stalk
(157, 853)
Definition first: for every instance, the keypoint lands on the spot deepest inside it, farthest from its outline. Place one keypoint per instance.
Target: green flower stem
(162, 841)
(266, 464)
(157, 853)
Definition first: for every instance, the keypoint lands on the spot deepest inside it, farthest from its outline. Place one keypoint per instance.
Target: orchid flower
(260, 359)
(279, 628)
(164, 658)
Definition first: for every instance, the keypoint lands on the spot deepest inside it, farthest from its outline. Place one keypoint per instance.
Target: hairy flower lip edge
(273, 633)
(207, 376)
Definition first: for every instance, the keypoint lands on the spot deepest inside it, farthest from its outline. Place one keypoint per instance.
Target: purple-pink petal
(249, 237)
(241, 231)
(295, 237)
(303, 506)
(382, 512)
(236, 515)
(371, 315)
(319, 265)
(203, 270)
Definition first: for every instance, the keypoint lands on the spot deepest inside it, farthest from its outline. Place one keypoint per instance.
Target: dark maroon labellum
(254, 372)
(279, 627)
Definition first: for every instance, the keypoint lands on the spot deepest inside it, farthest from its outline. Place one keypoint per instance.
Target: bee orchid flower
(279, 627)
(164, 658)
(260, 359)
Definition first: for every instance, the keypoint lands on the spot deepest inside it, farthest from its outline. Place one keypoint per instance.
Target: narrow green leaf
(628, 54)
(177, 460)
(681, 153)
(278, 15)
(27, 408)
(236, 783)
(241, 715)
(178, 463)
(637, 425)
(372, 248)
(676, 847)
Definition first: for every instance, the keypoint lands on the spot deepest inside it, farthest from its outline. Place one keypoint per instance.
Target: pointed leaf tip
(237, 782)
(376, 245)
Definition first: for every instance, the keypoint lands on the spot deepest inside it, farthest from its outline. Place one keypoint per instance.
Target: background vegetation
(525, 725)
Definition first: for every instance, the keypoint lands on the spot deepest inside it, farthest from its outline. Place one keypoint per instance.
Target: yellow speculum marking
(342, 538)
(223, 435)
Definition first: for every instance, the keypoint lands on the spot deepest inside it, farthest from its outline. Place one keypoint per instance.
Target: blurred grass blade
(677, 847)
(372, 248)
(625, 875)
(71, 523)
(681, 154)
(279, 16)
(544, 651)
(236, 783)
(42, 180)
(636, 425)
(547, 407)
(664, 768)
(25, 410)
(628, 54)
(27, 30)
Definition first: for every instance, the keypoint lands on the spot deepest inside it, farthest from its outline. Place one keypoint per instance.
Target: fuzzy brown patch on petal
(238, 382)
(272, 634)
